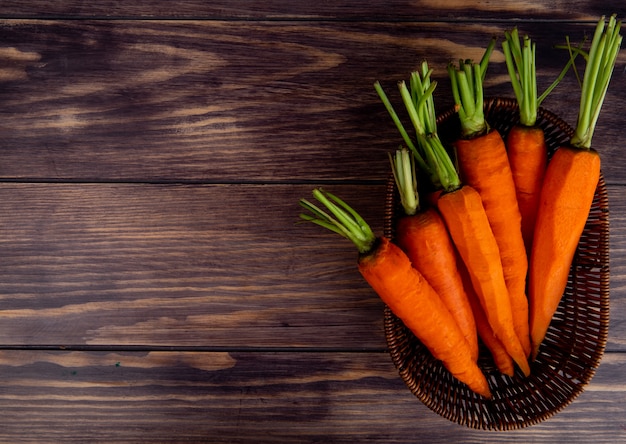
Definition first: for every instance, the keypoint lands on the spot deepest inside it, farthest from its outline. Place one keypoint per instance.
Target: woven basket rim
(574, 347)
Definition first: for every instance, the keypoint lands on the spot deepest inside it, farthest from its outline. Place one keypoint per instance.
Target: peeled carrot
(469, 227)
(413, 300)
(423, 236)
(501, 358)
(484, 164)
(568, 189)
(566, 198)
(426, 241)
(528, 156)
(462, 210)
(525, 143)
(406, 292)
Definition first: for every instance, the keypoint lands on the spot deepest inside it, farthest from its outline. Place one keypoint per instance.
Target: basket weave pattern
(576, 338)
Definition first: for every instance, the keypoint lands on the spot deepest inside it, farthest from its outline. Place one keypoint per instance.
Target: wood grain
(256, 397)
(179, 265)
(393, 10)
(217, 101)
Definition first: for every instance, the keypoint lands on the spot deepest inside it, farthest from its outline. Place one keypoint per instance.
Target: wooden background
(154, 285)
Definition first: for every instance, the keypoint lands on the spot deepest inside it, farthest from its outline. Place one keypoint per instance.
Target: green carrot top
(520, 63)
(403, 169)
(430, 155)
(467, 89)
(600, 62)
(340, 218)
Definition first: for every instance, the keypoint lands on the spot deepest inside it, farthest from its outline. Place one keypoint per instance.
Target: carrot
(501, 358)
(464, 215)
(406, 292)
(423, 236)
(528, 157)
(568, 189)
(468, 225)
(484, 164)
(525, 143)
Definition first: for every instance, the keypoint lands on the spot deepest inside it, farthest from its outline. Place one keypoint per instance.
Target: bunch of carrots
(483, 255)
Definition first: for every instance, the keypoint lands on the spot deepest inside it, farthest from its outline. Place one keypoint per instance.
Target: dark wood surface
(154, 284)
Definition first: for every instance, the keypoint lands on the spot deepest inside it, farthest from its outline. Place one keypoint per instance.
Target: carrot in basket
(468, 225)
(568, 189)
(463, 212)
(423, 236)
(406, 292)
(501, 358)
(528, 157)
(484, 164)
(421, 233)
(525, 143)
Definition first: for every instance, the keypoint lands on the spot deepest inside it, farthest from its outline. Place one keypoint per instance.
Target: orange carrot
(426, 241)
(484, 164)
(528, 156)
(463, 212)
(525, 142)
(469, 227)
(423, 236)
(566, 198)
(501, 358)
(406, 292)
(568, 189)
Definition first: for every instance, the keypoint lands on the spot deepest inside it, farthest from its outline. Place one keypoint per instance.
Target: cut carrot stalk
(406, 292)
(525, 143)
(423, 236)
(462, 210)
(484, 164)
(568, 188)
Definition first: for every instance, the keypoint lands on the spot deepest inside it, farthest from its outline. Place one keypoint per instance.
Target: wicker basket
(575, 341)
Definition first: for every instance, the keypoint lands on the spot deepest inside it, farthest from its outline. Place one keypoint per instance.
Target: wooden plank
(283, 9)
(181, 265)
(218, 101)
(617, 327)
(135, 264)
(257, 397)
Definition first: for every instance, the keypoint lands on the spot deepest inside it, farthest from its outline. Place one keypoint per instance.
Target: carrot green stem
(419, 104)
(403, 168)
(598, 71)
(342, 219)
(520, 63)
(467, 89)
(399, 125)
(560, 77)
(573, 53)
